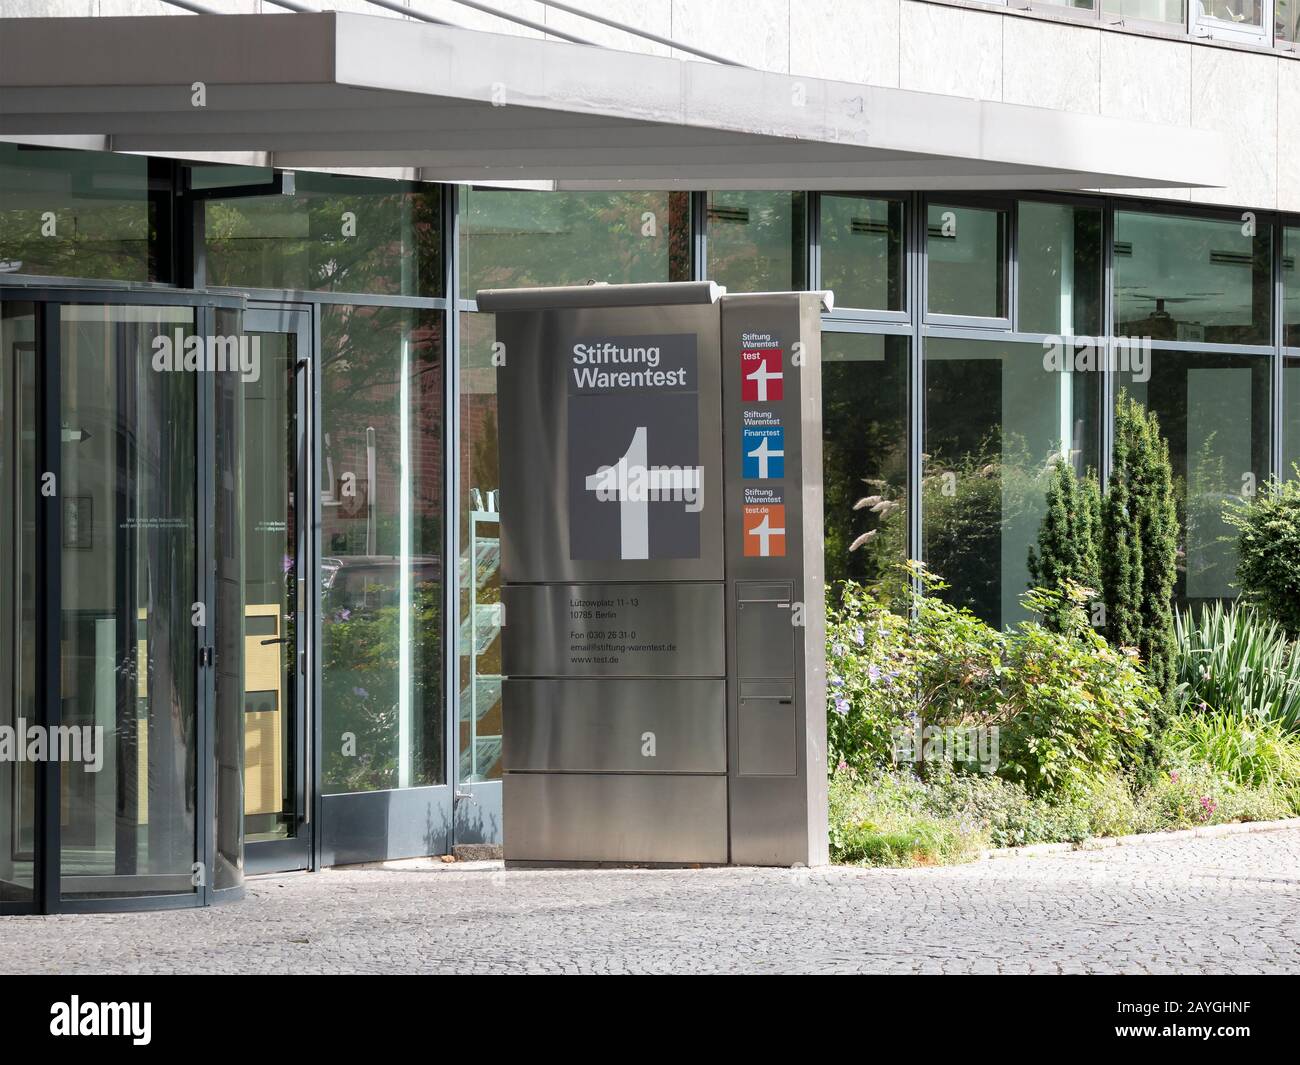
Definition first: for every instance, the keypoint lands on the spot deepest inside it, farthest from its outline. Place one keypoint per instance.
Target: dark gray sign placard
(635, 480)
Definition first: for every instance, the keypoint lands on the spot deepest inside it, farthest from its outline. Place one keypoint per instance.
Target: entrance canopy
(356, 92)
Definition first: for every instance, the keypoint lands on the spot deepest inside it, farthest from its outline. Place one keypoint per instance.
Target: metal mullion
(1196, 347)
(813, 244)
(1277, 451)
(306, 608)
(297, 295)
(1011, 273)
(915, 230)
(314, 711)
(205, 592)
(451, 492)
(1107, 412)
(49, 531)
(700, 236)
(832, 323)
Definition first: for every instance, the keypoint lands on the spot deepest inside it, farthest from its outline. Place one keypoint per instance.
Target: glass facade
(1291, 288)
(1166, 12)
(1059, 269)
(17, 595)
(511, 238)
(478, 630)
(348, 678)
(333, 234)
(1197, 279)
(864, 453)
(862, 259)
(1214, 414)
(757, 241)
(78, 214)
(997, 417)
(967, 255)
(129, 649)
(1291, 417)
(381, 548)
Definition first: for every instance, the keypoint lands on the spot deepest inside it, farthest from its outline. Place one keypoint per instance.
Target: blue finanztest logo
(764, 455)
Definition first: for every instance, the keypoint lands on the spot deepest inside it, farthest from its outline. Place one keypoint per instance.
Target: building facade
(267, 592)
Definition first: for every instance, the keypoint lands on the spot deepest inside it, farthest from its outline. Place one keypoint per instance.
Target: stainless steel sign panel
(612, 817)
(771, 376)
(614, 630)
(661, 555)
(616, 726)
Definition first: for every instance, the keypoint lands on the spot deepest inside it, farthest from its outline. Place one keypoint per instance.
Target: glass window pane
(272, 590)
(996, 418)
(1059, 269)
(967, 261)
(864, 453)
(478, 643)
(1214, 412)
(1233, 14)
(381, 544)
(74, 214)
(1291, 426)
(1170, 11)
(1291, 288)
(862, 251)
(757, 240)
(129, 654)
(1194, 279)
(17, 593)
(1286, 20)
(335, 234)
(511, 238)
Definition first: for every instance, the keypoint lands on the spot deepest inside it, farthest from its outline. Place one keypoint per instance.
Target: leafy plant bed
(896, 818)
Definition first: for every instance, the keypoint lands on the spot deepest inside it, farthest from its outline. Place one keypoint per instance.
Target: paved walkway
(1229, 904)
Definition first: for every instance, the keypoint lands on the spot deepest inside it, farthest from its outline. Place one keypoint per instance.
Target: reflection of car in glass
(364, 583)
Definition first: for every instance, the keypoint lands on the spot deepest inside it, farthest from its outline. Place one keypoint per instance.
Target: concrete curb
(1099, 843)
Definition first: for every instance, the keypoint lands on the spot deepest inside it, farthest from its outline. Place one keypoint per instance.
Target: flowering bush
(1071, 710)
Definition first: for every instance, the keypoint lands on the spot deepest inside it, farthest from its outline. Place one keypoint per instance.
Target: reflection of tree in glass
(336, 234)
(360, 676)
(969, 502)
(516, 238)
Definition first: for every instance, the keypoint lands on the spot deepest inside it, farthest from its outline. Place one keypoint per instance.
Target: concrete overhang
(359, 92)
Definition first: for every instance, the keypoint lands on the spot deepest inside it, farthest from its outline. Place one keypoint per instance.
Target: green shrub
(1234, 661)
(898, 660)
(1075, 709)
(1109, 807)
(1250, 751)
(1197, 795)
(886, 822)
(1139, 543)
(1268, 548)
(1066, 552)
(870, 680)
(1002, 810)
(1070, 709)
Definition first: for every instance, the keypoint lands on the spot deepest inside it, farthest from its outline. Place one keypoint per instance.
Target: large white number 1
(633, 506)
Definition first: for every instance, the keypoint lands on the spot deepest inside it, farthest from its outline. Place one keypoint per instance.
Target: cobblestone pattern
(1228, 904)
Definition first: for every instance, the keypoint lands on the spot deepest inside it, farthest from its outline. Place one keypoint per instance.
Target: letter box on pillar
(661, 553)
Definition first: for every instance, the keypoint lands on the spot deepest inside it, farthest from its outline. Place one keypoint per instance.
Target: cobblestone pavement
(1227, 904)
